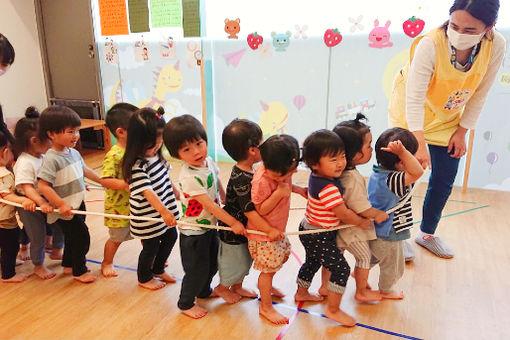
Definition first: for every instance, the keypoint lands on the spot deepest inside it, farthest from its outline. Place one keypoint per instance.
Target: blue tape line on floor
(459, 212)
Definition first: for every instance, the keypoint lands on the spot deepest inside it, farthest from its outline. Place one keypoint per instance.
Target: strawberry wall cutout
(413, 26)
(332, 37)
(254, 40)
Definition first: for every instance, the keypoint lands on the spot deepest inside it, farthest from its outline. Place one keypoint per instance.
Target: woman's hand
(458, 143)
(422, 154)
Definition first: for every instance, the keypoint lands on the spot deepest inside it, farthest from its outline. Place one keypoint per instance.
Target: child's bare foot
(17, 278)
(152, 284)
(23, 253)
(392, 295)
(44, 273)
(323, 291)
(367, 295)
(19, 262)
(341, 317)
(244, 292)
(272, 315)
(85, 278)
(276, 292)
(67, 270)
(225, 293)
(307, 296)
(56, 254)
(108, 271)
(166, 277)
(195, 312)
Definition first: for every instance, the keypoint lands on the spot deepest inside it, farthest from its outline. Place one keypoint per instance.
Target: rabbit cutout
(380, 36)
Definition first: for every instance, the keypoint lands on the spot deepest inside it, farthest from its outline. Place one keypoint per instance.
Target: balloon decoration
(487, 135)
(299, 101)
(492, 158)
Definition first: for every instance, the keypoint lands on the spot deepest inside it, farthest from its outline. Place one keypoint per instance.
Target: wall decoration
(273, 118)
(356, 24)
(299, 101)
(232, 27)
(380, 36)
(168, 79)
(166, 13)
(113, 17)
(487, 135)
(254, 40)
(111, 52)
(491, 158)
(138, 16)
(281, 41)
(141, 51)
(233, 58)
(504, 79)
(192, 50)
(300, 31)
(265, 50)
(332, 37)
(191, 18)
(167, 49)
(413, 26)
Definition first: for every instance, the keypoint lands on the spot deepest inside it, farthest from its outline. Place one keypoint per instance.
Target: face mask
(463, 41)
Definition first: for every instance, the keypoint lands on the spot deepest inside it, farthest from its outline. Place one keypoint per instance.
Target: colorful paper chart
(191, 18)
(113, 17)
(138, 16)
(166, 13)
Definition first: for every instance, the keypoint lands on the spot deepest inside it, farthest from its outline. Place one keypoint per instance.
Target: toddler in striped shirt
(324, 154)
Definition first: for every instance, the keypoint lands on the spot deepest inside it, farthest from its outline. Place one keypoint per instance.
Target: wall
(23, 84)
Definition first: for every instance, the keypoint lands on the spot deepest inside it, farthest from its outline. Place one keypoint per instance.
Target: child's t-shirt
(194, 181)
(7, 212)
(386, 188)
(262, 186)
(356, 197)
(25, 171)
(64, 171)
(150, 173)
(238, 201)
(323, 195)
(115, 201)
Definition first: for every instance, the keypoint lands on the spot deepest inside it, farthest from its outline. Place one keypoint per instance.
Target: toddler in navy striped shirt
(152, 195)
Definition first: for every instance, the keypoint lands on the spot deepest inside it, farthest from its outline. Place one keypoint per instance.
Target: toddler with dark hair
(390, 184)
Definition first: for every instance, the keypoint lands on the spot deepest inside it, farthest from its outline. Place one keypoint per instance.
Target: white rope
(195, 226)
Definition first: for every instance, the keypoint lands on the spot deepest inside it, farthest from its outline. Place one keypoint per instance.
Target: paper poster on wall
(113, 17)
(138, 16)
(166, 13)
(111, 52)
(167, 49)
(141, 51)
(191, 18)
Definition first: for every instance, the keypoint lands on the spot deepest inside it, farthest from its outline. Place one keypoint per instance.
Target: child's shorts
(234, 263)
(269, 256)
(120, 234)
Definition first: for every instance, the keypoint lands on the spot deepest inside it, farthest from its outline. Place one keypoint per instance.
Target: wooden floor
(462, 298)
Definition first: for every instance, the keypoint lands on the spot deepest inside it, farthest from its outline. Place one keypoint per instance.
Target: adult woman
(6, 60)
(439, 96)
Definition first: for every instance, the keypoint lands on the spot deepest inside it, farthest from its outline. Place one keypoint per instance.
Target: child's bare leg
(110, 248)
(16, 278)
(56, 253)
(266, 308)
(24, 253)
(195, 312)
(43, 272)
(302, 294)
(227, 295)
(49, 242)
(67, 270)
(19, 262)
(364, 294)
(325, 276)
(153, 284)
(244, 292)
(85, 278)
(335, 313)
